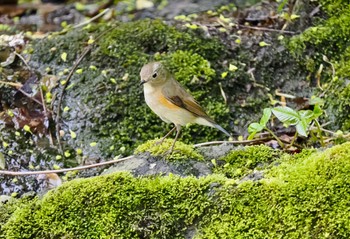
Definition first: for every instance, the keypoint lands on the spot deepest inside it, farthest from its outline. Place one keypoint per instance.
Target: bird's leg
(162, 139)
(178, 129)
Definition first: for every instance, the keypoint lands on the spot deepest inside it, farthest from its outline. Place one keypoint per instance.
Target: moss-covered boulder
(104, 106)
(104, 101)
(232, 69)
(324, 51)
(301, 196)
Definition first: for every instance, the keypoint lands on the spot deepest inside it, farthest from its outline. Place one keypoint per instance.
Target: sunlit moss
(301, 196)
(13, 209)
(239, 162)
(116, 206)
(181, 151)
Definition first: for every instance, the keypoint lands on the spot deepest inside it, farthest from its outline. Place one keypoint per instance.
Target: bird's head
(154, 73)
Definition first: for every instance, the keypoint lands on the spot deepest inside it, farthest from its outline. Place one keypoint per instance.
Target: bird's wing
(177, 95)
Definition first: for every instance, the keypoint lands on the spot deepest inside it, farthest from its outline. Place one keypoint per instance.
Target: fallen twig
(30, 97)
(16, 85)
(267, 29)
(24, 61)
(92, 19)
(233, 142)
(12, 173)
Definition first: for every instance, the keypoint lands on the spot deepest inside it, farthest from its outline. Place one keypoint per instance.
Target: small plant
(301, 119)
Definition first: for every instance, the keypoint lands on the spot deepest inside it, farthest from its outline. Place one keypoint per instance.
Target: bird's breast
(165, 109)
(156, 100)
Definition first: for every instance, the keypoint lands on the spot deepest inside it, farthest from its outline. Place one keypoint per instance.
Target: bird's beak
(142, 82)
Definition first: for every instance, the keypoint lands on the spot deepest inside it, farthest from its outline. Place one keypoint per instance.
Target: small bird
(170, 101)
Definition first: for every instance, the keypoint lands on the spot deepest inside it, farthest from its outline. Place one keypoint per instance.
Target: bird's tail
(209, 122)
(221, 129)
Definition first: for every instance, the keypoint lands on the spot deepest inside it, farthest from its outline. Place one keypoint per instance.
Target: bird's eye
(155, 75)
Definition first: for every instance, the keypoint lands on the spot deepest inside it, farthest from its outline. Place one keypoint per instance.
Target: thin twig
(324, 130)
(46, 115)
(24, 61)
(267, 29)
(92, 19)
(57, 118)
(108, 4)
(42, 99)
(289, 144)
(11, 173)
(232, 142)
(17, 85)
(30, 97)
(294, 139)
(276, 137)
(65, 30)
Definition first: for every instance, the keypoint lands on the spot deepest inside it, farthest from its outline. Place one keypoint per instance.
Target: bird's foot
(159, 142)
(169, 153)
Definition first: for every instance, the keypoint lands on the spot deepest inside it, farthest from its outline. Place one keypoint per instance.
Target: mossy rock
(115, 206)
(105, 102)
(154, 158)
(327, 44)
(243, 161)
(104, 99)
(181, 151)
(304, 196)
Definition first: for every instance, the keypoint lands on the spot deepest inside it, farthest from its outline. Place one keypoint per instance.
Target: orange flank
(163, 101)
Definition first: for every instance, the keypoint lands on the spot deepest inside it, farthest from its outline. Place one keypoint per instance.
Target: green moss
(117, 206)
(6, 210)
(181, 151)
(151, 37)
(242, 161)
(188, 63)
(333, 7)
(330, 38)
(339, 92)
(301, 198)
(13, 209)
(330, 35)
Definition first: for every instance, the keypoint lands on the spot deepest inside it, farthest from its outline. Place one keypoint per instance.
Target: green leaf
(255, 127)
(281, 6)
(302, 127)
(251, 136)
(317, 111)
(316, 101)
(286, 115)
(266, 116)
(307, 115)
